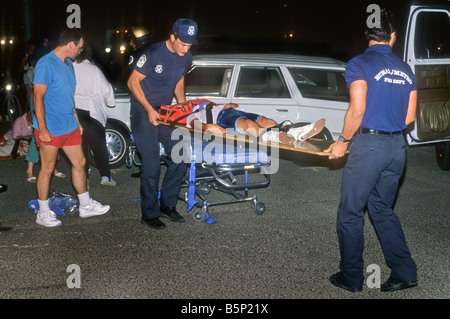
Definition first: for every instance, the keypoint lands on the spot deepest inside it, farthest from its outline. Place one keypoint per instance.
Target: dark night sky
(330, 25)
(321, 27)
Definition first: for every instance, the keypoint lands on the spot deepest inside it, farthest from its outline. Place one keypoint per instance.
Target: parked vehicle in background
(306, 88)
(118, 131)
(427, 51)
(281, 87)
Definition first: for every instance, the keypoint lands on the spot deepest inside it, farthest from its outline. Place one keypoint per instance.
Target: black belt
(364, 130)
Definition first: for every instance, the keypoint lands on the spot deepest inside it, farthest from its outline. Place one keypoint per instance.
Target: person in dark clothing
(383, 99)
(157, 77)
(93, 95)
(140, 38)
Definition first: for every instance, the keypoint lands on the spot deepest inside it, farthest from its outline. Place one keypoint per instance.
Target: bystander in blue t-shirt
(59, 78)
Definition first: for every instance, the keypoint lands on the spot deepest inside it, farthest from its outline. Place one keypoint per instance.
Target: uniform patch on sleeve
(140, 63)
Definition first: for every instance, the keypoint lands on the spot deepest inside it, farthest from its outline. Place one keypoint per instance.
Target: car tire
(443, 155)
(324, 135)
(118, 142)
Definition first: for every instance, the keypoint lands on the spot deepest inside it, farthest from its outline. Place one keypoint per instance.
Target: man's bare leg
(248, 126)
(265, 122)
(78, 161)
(45, 216)
(88, 207)
(48, 154)
(256, 129)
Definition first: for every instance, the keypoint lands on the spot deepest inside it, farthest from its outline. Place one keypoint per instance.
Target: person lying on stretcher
(230, 116)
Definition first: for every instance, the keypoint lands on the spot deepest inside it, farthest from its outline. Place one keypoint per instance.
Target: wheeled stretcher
(229, 169)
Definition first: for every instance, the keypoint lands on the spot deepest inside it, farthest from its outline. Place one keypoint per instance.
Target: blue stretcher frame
(225, 168)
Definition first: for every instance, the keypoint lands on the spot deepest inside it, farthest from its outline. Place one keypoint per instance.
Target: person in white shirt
(93, 95)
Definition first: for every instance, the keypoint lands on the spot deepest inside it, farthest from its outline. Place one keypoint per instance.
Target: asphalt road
(288, 252)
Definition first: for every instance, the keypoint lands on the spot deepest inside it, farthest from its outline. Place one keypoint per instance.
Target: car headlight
(8, 87)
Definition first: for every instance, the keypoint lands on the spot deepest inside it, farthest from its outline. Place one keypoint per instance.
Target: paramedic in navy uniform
(383, 101)
(157, 77)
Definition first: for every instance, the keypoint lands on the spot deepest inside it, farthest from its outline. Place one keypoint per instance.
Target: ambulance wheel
(259, 208)
(199, 214)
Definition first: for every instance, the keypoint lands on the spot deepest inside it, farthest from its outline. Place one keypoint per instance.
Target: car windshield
(433, 35)
(321, 84)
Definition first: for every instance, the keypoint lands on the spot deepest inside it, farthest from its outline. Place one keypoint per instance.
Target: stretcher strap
(191, 195)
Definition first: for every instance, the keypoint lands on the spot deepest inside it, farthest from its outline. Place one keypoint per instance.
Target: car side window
(321, 84)
(432, 39)
(208, 81)
(261, 82)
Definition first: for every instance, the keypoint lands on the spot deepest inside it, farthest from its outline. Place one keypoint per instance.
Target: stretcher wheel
(204, 188)
(199, 214)
(259, 208)
(128, 161)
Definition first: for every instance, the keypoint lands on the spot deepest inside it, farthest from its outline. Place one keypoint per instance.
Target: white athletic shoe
(47, 219)
(302, 133)
(93, 209)
(108, 182)
(270, 136)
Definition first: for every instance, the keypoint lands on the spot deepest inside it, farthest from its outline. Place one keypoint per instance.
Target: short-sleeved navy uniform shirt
(389, 81)
(163, 69)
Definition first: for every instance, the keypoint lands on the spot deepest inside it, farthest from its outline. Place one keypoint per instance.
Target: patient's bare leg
(255, 129)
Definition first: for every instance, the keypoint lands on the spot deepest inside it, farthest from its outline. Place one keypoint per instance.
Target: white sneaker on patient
(276, 136)
(270, 136)
(302, 133)
(93, 209)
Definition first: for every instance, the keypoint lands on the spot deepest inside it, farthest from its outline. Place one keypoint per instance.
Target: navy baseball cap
(186, 29)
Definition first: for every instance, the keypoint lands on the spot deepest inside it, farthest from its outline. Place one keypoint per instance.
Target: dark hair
(31, 42)
(69, 35)
(86, 54)
(387, 26)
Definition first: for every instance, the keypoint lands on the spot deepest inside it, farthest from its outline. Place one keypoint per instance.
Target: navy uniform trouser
(146, 137)
(370, 179)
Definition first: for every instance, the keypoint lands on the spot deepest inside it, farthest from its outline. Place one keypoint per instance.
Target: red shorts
(69, 139)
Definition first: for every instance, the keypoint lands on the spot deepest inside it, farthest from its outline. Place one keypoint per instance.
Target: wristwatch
(342, 139)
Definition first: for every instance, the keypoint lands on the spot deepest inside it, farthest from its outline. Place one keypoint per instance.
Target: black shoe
(393, 284)
(3, 188)
(172, 214)
(339, 281)
(136, 175)
(153, 223)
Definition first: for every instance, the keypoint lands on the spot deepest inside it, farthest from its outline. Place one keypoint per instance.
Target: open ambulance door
(427, 51)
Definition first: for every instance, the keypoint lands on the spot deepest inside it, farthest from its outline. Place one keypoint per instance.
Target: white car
(305, 88)
(281, 87)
